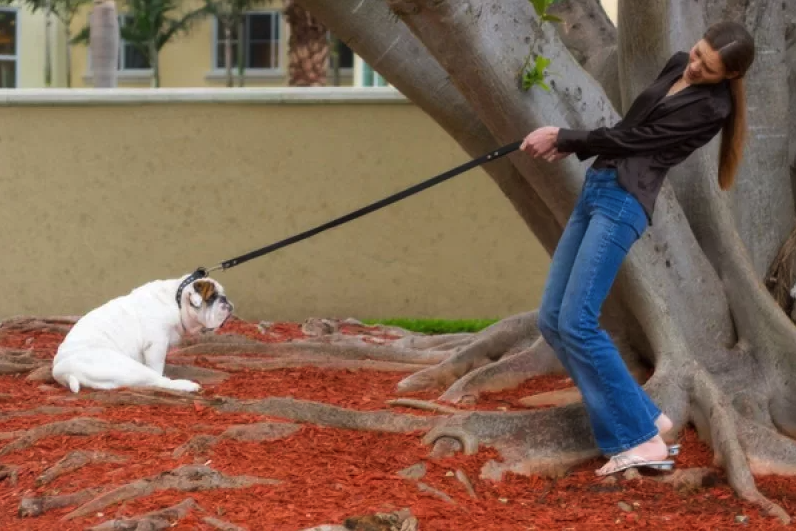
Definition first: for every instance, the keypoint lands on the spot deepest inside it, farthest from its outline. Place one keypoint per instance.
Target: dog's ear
(205, 289)
(203, 292)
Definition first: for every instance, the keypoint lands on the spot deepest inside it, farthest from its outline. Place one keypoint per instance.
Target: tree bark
(228, 53)
(154, 63)
(308, 48)
(104, 45)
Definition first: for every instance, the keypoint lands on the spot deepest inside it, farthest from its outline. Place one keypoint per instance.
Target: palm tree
(308, 47)
(105, 45)
(231, 15)
(150, 24)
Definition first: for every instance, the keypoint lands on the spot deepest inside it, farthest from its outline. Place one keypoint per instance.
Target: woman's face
(704, 65)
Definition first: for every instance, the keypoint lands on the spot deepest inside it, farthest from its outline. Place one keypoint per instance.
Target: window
(8, 48)
(130, 57)
(261, 46)
(345, 54)
(369, 77)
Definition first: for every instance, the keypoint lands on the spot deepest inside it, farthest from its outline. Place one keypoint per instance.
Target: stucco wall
(103, 192)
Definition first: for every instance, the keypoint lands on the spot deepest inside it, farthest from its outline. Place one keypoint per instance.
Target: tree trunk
(228, 53)
(308, 48)
(335, 61)
(104, 45)
(241, 60)
(721, 349)
(154, 64)
(48, 64)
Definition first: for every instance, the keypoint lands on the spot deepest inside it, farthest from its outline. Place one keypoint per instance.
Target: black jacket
(657, 133)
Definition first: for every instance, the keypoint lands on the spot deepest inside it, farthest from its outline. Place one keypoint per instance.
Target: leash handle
(492, 155)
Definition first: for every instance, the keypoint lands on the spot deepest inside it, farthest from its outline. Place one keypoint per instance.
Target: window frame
(130, 75)
(15, 57)
(120, 68)
(344, 70)
(248, 73)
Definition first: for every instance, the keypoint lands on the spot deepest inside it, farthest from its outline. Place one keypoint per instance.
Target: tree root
(75, 460)
(287, 408)
(81, 426)
(196, 445)
(26, 324)
(559, 439)
(349, 352)
(216, 339)
(507, 337)
(201, 375)
(465, 481)
(13, 361)
(155, 520)
(264, 431)
(189, 478)
(507, 373)
(435, 342)
(43, 374)
(690, 480)
(424, 405)
(51, 410)
(10, 473)
(422, 487)
(29, 507)
(726, 443)
(399, 521)
(320, 362)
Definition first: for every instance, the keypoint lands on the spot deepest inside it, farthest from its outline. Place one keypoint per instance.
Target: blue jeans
(606, 222)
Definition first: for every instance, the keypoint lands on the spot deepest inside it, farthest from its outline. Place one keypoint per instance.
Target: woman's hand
(542, 143)
(556, 156)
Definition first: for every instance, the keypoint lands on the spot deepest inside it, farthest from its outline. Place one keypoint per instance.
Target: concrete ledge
(137, 96)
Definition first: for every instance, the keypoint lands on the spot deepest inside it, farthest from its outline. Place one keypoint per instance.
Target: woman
(696, 95)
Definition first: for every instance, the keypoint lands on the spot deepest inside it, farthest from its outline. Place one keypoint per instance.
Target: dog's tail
(74, 385)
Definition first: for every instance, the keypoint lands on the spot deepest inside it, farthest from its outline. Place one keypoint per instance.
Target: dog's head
(204, 302)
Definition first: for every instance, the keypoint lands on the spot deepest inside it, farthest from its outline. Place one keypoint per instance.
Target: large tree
(690, 306)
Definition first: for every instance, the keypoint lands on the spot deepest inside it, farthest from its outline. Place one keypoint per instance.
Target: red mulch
(330, 474)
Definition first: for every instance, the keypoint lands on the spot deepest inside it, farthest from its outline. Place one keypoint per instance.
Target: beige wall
(98, 199)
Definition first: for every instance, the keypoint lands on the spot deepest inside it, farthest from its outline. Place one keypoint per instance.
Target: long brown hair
(736, 47)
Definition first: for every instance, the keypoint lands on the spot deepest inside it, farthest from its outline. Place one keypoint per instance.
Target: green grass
(436, 326)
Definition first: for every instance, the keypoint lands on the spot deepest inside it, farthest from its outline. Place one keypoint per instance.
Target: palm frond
(83, 37)
(183, 24)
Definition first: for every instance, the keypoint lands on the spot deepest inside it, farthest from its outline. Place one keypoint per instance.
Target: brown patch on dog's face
(205, 289)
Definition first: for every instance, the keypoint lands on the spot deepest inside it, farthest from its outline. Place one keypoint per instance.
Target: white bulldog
(124, 342)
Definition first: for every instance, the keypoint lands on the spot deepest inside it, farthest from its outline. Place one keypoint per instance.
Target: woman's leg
(557, 279)
(622, 416)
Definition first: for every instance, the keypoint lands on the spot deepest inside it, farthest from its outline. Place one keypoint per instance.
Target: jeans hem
(622, 448)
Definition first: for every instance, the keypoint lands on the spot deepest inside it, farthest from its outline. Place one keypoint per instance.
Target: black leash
(203, 272)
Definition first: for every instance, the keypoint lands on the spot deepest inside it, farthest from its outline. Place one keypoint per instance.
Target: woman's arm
(666, 132)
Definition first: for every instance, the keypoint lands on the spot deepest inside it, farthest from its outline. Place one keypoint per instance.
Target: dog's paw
(184, 385)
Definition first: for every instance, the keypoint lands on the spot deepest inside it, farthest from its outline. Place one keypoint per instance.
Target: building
(193, 60)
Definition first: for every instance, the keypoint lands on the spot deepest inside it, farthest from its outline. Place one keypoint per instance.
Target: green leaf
(540, 6)
(551, 18)
(542, 62)
(83, 37)
(535, 75)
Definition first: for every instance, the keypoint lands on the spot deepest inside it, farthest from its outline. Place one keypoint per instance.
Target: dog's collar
(196, 275)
